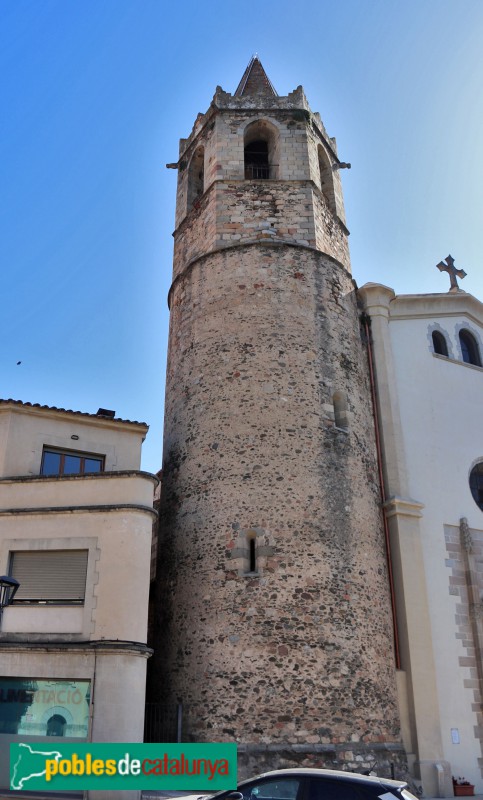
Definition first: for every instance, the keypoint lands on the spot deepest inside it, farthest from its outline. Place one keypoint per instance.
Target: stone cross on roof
(452, 272)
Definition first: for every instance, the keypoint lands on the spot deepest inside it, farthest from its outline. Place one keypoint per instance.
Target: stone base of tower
(388, 759)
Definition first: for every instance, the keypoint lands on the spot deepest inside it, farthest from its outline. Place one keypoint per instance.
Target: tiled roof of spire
(255, 81)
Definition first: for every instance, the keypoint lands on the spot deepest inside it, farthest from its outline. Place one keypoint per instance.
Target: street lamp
(8, 588)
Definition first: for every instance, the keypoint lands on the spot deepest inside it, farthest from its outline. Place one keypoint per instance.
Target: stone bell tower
(273, 611)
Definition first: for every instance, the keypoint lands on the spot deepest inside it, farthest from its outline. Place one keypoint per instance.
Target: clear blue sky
(94, 97)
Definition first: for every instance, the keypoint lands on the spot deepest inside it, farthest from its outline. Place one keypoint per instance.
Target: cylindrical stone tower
(273, 621)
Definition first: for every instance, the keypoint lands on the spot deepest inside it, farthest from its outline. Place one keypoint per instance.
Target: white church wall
(440, 412)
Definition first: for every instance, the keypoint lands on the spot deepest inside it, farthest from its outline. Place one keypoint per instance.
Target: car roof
(330, 773)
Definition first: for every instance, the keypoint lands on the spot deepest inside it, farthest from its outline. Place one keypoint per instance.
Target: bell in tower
(273, 620)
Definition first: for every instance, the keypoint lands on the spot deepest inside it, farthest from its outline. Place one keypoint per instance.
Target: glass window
(324, 789)
(50, 463)
(34, 707)
(66, 462)
(92, 465)
(72, 465)
(469, 348)
(279, 789)
(476, 484)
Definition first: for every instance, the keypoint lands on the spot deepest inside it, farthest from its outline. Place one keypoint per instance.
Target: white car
(313, 784)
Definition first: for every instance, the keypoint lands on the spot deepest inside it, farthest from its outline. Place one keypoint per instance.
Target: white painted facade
(430, 419)
(94, 649)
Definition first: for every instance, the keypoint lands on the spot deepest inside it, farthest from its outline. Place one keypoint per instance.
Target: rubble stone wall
(262, 337)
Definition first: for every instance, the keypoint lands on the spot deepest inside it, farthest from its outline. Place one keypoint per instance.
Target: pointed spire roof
(255, 81)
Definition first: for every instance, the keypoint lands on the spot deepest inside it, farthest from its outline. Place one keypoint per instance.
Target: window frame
(69, 697)
(63, 452)
(46, 600)
(469, 347)
(476, 472)
(264, 130)
(439, 343)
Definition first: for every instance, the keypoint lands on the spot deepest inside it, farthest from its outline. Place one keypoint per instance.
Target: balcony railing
(257, 171)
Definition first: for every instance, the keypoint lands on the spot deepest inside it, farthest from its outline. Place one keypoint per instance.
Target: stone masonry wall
(298, 654)
(289, 207)
(246, 211)
(465, 562)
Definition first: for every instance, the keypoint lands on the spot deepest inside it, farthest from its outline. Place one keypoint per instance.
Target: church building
(428, 374)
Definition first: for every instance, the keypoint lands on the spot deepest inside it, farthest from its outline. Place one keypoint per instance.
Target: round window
(476, 484)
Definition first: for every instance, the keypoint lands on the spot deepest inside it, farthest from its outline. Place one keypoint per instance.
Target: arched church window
(56, 725)
(476, 484)
(440, 346)
(326, 177)
(196, 176)
(469, 348)
(261, 151)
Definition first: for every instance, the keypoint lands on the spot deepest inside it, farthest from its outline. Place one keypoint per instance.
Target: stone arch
(476, 337)
(261, 148)
(57, 717)
(470, 351)
(326, 177)
(196, 176)
(434, 332)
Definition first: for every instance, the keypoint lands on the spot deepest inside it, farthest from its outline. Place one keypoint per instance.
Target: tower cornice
(265, 243)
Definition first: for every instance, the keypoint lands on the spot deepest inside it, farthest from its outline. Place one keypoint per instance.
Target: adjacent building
(428, 352)
(76, 517)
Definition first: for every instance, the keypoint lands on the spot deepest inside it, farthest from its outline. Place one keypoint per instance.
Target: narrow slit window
(339, 401)
(252, 555)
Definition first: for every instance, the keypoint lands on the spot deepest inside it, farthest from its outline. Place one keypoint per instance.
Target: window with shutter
(49, 576)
